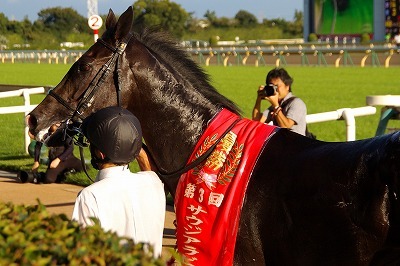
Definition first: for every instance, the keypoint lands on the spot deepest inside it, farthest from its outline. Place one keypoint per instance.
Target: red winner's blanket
(209, 197)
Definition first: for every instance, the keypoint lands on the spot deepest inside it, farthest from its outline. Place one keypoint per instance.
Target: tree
(295, 28)
(62, 21)
(222, 22)
(14, 27)
(246, 19)
(27, 29)
(3, 42)
(3, 23)
(277, 22)
(290, 29)
(211, 17)
(168, 15)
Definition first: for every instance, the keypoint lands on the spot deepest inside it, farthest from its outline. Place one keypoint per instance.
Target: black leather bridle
(71, 126)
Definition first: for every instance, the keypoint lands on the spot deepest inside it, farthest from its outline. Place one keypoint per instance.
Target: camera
(270, 89)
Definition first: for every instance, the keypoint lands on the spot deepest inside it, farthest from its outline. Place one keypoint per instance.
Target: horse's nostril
(31, 121)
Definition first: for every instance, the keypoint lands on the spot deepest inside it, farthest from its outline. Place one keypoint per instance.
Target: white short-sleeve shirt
(130, 204)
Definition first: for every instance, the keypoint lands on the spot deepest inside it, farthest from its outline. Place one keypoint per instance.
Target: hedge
(29, 235)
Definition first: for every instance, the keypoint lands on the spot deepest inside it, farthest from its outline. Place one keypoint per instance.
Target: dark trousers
(54, 175)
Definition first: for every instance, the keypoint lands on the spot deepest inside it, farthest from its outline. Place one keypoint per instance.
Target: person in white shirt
(130, 204)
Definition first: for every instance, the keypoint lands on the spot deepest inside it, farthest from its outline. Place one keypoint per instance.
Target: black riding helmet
(116, 132)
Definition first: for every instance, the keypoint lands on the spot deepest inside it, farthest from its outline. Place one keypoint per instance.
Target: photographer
(286, 110)
(61, 161)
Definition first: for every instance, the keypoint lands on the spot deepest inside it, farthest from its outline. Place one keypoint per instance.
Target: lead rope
(84, 164)
(164, 176)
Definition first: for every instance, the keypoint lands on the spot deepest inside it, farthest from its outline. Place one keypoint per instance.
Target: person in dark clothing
(61, 160)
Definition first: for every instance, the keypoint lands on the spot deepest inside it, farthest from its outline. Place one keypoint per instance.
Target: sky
(270, 9)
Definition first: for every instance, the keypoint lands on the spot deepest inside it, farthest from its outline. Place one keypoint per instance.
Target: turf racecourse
(322, 88)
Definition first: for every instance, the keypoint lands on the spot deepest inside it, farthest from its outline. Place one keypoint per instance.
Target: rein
(200, 158)
(164, 176)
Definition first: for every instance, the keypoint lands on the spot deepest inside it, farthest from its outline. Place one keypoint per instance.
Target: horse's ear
(111, 20)
(124, 24)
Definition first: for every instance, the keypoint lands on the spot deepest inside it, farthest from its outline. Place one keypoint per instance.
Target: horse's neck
(173, 112)
(173, 142)
(173, 120)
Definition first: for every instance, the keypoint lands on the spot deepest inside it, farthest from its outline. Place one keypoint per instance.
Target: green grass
(32, 74)
(323, 89)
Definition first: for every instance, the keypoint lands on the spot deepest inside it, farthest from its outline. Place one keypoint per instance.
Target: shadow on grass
(15, 162)
(14, 157)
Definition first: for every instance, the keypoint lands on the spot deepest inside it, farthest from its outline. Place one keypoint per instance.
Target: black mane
(166, 48)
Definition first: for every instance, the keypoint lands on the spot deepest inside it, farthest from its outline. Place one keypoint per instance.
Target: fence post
(348, 116)
(27, 102)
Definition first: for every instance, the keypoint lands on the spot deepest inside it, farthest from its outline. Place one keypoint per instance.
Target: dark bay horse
(307, 202)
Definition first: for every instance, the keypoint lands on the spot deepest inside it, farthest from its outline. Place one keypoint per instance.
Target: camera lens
(269, 89)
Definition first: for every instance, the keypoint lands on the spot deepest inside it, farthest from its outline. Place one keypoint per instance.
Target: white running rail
(346, 114)
(26, 108)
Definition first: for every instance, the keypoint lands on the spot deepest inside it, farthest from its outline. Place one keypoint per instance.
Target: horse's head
(91, 83)
(147, 73)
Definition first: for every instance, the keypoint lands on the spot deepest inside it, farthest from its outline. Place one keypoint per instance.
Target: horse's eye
(84, 67)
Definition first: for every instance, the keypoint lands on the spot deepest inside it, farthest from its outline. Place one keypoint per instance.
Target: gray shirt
(295, 110)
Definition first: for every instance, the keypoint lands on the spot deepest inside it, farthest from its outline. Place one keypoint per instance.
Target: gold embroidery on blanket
(208, 142)
(222, 163)
(229, 169)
